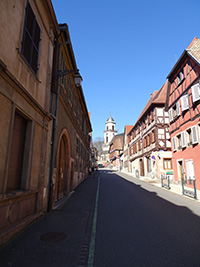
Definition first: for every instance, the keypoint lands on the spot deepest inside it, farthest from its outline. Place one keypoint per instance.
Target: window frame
(32, 47)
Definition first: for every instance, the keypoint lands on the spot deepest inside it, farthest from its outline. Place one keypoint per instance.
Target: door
(141, 167)
(61, 169)
(180, 170)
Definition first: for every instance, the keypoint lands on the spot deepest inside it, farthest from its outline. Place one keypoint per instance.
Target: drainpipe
(51, 185)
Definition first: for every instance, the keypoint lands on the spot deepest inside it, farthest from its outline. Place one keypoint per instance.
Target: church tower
(109, 133)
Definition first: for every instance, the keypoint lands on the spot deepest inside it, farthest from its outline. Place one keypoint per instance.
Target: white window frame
(195, 92)
(190, 169)
(183, 139)
(184, 102)
(174, 143)
(177, 109)
(194, 135)
(170, 114)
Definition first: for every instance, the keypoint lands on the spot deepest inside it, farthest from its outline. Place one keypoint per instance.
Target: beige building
(70, 160)
(27, 31)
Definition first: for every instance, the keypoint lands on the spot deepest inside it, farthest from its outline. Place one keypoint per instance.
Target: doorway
(141, 167)
(61, 181)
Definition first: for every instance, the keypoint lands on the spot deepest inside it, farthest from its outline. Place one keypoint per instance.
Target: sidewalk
(60, 238)
(175, 188)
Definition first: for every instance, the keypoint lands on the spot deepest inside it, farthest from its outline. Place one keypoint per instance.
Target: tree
(98, 142)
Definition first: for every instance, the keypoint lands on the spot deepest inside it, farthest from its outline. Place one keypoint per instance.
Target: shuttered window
(174, 144)
(183, 139)
(31, 39)
(170, 114)
(16, 154)
(184, 102)
(194, 135)
(195, 92)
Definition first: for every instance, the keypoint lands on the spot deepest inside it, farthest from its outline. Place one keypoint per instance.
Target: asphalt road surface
(138, 224)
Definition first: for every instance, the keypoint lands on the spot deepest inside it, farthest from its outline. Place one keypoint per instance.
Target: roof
(193, 50)
(118, 144)
(110, 119)
(127, 128)
(157, 98)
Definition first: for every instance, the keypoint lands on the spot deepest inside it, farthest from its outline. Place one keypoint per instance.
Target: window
(190, 169)
(149, 169)
(18, 166)
(174, 144)
(180, 76)
(195, 92)
(184, 102)
(194, 135)
(31, 39)
(176, 110)
(153, 136)
(189, 137)
(167, 164)
(178, 141)
(183, 139)
(170, 114)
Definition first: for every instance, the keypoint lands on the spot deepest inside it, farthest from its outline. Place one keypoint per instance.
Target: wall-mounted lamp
(77, 77)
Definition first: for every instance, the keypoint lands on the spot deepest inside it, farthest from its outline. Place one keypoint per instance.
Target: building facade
(125, 157)
(71, 155)
(109, 133)
(149, 139)
(116, 151)
(183, 105)
(27, 34)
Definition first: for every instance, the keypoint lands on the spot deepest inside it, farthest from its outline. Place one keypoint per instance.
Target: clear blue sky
(125, 50)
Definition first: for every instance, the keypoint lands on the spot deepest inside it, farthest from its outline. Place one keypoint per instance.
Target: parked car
(100, 165)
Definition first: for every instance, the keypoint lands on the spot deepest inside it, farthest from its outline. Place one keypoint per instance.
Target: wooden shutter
(184, 102)
(170, 114)
(177, 109)
(174, 144)
(16, 154)
(183, 139)
(194, 135)
(195, 92)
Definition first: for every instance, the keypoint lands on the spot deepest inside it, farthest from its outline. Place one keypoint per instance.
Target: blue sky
(125, 50)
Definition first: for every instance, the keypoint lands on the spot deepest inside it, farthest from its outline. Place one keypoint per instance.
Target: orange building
(183, 105)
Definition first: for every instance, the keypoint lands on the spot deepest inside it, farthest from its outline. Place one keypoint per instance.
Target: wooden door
(61, 169)
(16, 153)
(141, 167)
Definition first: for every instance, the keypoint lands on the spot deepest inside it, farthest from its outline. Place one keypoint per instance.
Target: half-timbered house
(183, 105)
(116, 150)
(149, 139)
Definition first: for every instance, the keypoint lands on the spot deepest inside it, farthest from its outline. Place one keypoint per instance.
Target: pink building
(183, 105)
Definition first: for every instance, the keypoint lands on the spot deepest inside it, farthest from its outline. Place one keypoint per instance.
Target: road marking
(93, 234)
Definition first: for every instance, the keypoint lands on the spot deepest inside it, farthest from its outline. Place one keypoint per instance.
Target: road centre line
(93, 234)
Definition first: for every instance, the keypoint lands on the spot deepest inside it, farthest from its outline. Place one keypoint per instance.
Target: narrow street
(136, 227)
(112, 222)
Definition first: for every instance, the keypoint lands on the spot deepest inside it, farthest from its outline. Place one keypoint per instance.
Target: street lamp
(77, 77)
